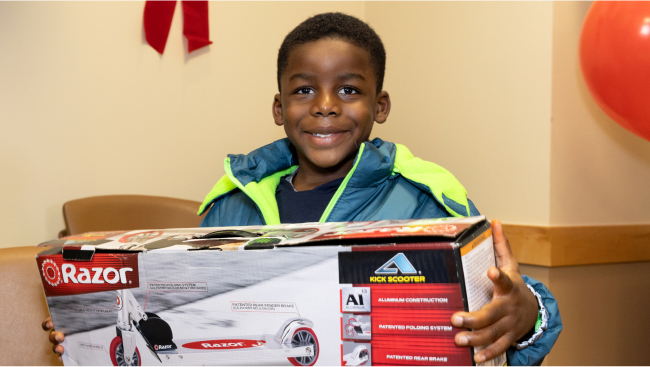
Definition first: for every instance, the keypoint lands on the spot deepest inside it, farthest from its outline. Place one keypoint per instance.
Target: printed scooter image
(358, 357)
(354, 329)
(295, 340)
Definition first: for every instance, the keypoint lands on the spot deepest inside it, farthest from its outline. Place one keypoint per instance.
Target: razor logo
(225, 344)
(400, 263)
(108, 275)
(51, 272)
(105, 272)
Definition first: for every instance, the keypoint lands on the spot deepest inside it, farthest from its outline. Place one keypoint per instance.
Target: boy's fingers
(494, 350)
(488, 315)
(505, 258)
(47, 324)
(58, 349)
(501, 280)
(481, 336)
(52, 337)
(56, 337)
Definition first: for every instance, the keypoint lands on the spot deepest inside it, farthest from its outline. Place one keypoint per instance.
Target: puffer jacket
(385, 182)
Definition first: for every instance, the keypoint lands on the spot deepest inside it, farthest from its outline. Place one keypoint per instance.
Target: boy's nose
(325, 105)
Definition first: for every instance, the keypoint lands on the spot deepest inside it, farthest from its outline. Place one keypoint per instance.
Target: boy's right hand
(55, 336)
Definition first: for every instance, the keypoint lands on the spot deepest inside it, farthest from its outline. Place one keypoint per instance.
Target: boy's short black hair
(337, 26)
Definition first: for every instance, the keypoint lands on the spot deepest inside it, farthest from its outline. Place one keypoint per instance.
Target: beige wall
(88, 108)
(600, 172)
(489, 90)
(471, 90)
(521, 130)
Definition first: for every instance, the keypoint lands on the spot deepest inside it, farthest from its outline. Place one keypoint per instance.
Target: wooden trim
(565, 246)
(530, 244)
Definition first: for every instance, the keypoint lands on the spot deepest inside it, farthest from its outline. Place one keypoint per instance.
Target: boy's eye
(348, 90)
(304, 90)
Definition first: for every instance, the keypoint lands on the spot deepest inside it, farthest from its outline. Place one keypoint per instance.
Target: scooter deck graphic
(253, 347)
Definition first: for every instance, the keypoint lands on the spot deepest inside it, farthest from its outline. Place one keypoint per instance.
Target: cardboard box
(359, 293)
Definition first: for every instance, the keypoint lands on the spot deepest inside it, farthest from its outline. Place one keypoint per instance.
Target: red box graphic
(423, 323)
(415, 296)
(403, 350)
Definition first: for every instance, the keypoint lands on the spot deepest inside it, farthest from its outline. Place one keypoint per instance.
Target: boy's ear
(277, 110)
(382, 108)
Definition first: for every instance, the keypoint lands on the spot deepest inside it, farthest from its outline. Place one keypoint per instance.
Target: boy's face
(329, 102)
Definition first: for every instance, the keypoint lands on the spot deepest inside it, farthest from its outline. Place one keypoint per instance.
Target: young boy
(330, 76)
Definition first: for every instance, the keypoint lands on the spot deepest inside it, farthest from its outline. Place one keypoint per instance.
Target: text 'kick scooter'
(295, 340)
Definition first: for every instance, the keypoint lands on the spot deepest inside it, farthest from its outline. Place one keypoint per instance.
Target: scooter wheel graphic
(363, 354)
(117, 354)
(349, 331)
(301, 337)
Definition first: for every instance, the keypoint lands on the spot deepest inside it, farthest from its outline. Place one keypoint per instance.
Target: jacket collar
(376, 163)
(258, 174)
(263, 162)
(266, 164)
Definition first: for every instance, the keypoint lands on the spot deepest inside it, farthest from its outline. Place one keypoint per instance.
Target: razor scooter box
(359, 293)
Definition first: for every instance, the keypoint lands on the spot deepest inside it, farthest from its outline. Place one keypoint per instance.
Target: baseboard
(566, 246)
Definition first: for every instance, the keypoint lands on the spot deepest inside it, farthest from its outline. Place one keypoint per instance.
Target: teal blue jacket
(386, 182)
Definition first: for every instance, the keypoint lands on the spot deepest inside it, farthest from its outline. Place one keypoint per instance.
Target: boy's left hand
(510, 315)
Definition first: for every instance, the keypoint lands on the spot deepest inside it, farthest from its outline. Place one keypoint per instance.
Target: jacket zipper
(341, 188)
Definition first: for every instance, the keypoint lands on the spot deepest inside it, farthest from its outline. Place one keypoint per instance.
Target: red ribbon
(158, 20)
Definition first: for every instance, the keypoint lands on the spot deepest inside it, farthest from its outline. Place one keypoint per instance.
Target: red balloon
(615, 61)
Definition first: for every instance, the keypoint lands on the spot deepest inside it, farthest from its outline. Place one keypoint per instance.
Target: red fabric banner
(158, 20)
(195, 24)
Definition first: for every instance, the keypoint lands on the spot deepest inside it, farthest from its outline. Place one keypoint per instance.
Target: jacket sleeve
(534, 354)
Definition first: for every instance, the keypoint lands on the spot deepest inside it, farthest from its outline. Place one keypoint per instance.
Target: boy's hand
(55, 337)
(511, 314)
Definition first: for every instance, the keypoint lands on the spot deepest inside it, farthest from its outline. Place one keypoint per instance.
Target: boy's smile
(328, 105)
